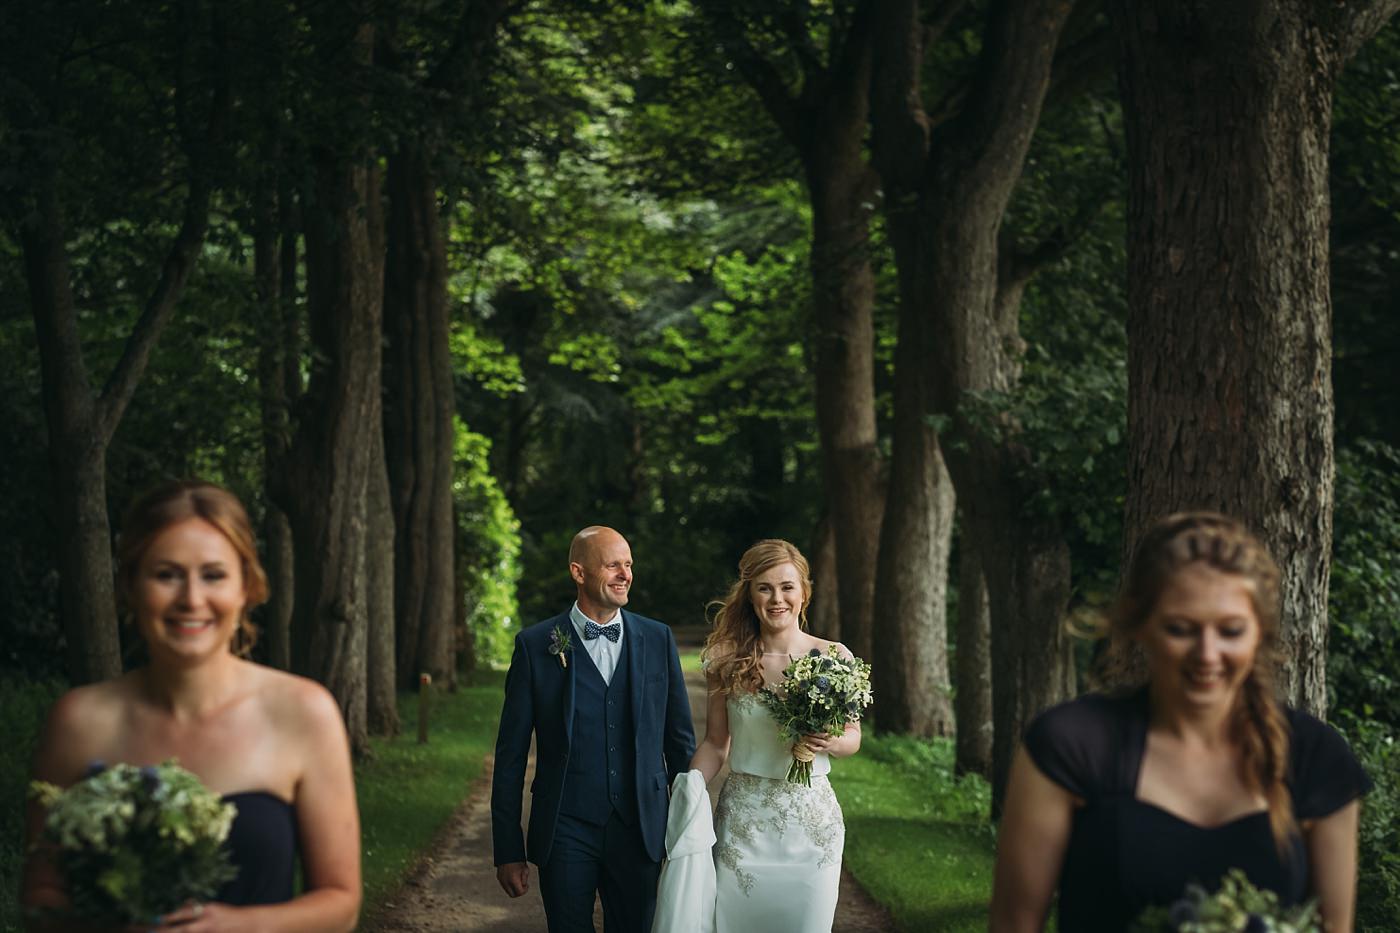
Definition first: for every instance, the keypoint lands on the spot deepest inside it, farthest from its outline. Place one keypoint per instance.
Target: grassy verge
(407, 790)
(25, 704)
(917, 838)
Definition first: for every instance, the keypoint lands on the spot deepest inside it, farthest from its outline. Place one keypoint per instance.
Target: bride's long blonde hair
(733, 652)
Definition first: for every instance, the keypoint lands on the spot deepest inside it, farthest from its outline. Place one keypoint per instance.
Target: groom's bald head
(590, 540)
(600, 561)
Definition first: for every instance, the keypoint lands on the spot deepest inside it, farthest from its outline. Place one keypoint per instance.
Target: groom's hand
(514, 877)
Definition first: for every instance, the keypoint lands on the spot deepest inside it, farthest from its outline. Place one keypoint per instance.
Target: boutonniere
(559, 642)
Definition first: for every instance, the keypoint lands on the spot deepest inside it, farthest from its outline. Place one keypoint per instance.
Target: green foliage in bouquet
(135, 843)
(820, 693)
(1238, 907)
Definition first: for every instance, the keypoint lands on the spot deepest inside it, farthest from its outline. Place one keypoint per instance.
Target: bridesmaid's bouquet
(1238, 907)
(135, 843)
(819, 693)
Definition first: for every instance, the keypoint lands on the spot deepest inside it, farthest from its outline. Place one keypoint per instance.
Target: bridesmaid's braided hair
(1225, 545)
(733, 652)
(176, 502)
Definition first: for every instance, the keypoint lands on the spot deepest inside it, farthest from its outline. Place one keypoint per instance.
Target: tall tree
(822, 112)
(56, 88)
(420, 399)
(948, 173)
(326, 484)
(1228, 213)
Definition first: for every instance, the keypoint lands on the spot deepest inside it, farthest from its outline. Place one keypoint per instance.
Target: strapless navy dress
(262, 844)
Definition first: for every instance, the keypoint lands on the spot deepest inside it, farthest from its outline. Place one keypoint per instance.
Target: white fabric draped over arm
(685, 897)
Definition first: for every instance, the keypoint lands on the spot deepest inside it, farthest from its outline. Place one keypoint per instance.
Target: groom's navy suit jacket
(540, 695)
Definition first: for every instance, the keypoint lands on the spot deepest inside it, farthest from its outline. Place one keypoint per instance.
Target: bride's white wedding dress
(778, 845)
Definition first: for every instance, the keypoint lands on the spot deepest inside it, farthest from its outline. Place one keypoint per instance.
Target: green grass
(407, 791)
(917, 838)
(25, 704)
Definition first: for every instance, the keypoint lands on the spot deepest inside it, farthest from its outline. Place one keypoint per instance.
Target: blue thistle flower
(94, 768)
(1182, 912)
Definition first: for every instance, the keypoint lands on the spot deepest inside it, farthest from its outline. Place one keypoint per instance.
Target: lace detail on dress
(750, 806)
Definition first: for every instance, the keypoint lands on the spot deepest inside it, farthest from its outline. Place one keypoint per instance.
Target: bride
(778, 845)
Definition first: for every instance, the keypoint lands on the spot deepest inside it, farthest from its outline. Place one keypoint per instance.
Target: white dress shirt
(602, 650)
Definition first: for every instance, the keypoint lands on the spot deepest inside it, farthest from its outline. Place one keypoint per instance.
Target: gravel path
(454, 889)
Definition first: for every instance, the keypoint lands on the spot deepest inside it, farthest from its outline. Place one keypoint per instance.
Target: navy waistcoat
(602, 771)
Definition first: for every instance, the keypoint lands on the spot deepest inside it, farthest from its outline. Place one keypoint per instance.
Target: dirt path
(454, 888)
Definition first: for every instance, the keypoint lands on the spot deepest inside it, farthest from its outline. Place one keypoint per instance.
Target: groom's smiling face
(603, 574)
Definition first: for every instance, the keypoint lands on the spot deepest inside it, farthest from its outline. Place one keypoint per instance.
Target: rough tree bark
(418, 419)
(911, 579)
(274, 278)
(381, 698)
(1228, 111)
(329, 464)
(825, 121)
(946, 193)
(823, 615)
(973, 670)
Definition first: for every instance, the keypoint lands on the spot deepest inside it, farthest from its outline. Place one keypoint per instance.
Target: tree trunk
(382, 709)
(947, 196)
(843, 303)
(418, 424)
(275, 358)
(825, 121)
(329, 469)
(80, 423)
(823, 615)
(911, 653)
(1227, 113)
(972, 703)
(77, 452)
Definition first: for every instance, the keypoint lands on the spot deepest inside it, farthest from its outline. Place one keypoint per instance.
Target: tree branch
(1018, 265)
(758, 71)
(179, 261)
(1081, 63)
(1004, 102)
(1354, 23)
(901, 127)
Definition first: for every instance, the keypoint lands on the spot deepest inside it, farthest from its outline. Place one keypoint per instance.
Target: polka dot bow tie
(592, 630)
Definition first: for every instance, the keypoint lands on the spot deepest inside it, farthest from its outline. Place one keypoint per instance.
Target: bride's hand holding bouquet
(819, 694)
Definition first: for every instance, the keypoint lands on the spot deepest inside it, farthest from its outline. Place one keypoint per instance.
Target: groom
(602, 691)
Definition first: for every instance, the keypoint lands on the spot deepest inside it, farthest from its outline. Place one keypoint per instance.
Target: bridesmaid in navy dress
(272, 743)
(1120, 800)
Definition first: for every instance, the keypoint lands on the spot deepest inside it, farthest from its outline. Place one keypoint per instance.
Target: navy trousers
(589, 860)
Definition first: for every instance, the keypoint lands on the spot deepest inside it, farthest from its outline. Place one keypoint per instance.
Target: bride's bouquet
(1238, 907)
(819, 693)
(135, 843)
